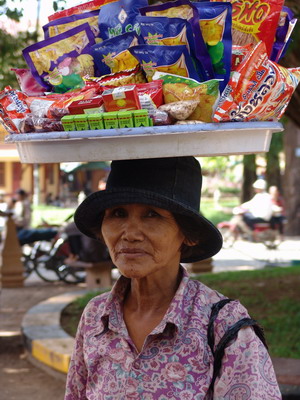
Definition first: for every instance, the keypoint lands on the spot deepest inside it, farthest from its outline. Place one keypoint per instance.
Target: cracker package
(130, 77)
(255, 20)
(215, 23)
(112, 55)
(171, 59)
(186, 10)
(13, 109)
(120, 17)
(61, 25)
(259, 90)
(177, 88)
(60, 62)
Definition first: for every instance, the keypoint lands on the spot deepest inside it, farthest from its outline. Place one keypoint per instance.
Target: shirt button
(137, 364)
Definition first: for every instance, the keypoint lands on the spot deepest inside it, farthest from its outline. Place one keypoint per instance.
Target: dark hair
(186, 224)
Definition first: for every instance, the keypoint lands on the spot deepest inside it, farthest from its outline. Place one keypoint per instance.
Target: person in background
(278, 216)
(158, 334)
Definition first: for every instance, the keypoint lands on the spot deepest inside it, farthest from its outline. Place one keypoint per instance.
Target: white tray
(158, 141)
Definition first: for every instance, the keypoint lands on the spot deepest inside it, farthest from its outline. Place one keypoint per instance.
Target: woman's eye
(117, 212)
(152, 214)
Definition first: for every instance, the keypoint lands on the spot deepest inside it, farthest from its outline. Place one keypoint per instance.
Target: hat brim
(89, 212)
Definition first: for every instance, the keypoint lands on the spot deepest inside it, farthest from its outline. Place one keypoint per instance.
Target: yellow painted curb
(53, 352)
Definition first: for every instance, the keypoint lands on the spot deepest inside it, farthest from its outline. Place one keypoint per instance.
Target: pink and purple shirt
(176, 361)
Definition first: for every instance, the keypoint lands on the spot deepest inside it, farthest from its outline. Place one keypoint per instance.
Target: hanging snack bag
(176, 88)
(112, 55)
(170, 59)
(215, 23)
(120, 17)
(186, 10)
(85, 7)
(61, 25)
(59, 63)
(255, 20)
(13, 109)
(259, 90)
(239, 53)
(286, 25)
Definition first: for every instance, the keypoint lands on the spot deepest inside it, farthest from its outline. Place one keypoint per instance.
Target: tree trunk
(273, 175)
(249, 176)
(292, 178)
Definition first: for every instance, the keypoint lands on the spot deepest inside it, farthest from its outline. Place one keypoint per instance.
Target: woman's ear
(188, 242)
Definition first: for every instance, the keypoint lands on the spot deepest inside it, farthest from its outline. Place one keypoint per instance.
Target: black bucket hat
(171, 183)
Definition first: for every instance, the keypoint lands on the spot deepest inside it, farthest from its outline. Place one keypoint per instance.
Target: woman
(148, 338)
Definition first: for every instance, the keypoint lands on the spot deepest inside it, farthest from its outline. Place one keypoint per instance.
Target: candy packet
(286, 25)
(177, 88)
(150, 95)
(120, 17)
(259, 90)
(28, 84)
(130, 77)
(171, 59)
(215, 23)
(62, 25)
(186, 10)
(13, 109)
(112, 55)
(85, 7)
(60, 62)
(255, 20)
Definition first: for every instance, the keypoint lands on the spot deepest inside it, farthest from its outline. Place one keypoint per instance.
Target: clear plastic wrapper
(180, 110)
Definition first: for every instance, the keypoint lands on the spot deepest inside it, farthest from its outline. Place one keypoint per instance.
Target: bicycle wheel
(71, 275)
(29, 265)
(46, 268)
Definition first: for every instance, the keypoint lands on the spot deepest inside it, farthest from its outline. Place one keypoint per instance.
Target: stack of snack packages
(125, 64)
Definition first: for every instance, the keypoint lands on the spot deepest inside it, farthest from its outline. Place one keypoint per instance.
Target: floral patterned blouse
(176, 361)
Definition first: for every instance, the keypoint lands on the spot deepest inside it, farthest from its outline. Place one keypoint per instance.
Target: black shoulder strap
(229, 335)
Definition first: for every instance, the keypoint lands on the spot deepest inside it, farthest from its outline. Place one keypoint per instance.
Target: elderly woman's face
(142, 239)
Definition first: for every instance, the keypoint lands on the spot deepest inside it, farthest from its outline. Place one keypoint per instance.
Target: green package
(95, 121)
(140, 118)
(110, 120)
(68, 123)
(81, 122)
(125, 119)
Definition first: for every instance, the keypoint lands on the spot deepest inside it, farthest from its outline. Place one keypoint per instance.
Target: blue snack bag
(215, 20)
(119, 17)
(170, 59)
(186, 10)
(112, 55)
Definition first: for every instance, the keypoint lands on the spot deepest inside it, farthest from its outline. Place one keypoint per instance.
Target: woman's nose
(132, 230)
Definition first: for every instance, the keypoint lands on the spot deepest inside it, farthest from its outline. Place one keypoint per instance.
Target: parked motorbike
(262, 233)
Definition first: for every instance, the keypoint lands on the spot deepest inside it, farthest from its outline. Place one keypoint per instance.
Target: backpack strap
(228, 336)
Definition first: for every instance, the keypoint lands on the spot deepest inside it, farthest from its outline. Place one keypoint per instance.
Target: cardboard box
(88, 106)
(123, 98)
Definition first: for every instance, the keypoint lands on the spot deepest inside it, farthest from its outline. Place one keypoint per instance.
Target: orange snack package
(259, 90)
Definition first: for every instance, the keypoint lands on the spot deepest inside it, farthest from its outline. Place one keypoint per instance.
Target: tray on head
(203, 139)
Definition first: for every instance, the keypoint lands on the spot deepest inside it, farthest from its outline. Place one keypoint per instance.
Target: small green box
(125, 119)
(95, 121)
(110, 120)
(81, 122)
(140, 118)
(68, 123)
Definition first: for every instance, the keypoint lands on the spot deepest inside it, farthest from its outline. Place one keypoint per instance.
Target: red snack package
(28, 84)
(255, 20)
(130, 77)
(89, 6)
(239, 53)
(150, 95)
(258, 90)
(13, 108)
(121, 98)
(87, 106)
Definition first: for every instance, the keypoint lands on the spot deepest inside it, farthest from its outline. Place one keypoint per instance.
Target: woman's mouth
(132, 252)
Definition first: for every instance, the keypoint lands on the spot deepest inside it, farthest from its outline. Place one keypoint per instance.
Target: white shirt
(260, 206)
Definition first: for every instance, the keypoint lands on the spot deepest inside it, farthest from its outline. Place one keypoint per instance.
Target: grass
(52, 215)
(215, 214)
(271, 296)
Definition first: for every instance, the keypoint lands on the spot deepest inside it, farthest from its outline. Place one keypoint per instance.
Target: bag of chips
(255, 20)
(170, 59)
(215, 23)
(286, 25)
(60, 62)
(186, 10)
(112, 55)
(13, 109)
(85, 7)
(61, 25)
(131, 77)
(177, 88)
(259, 90)
(120, 17)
